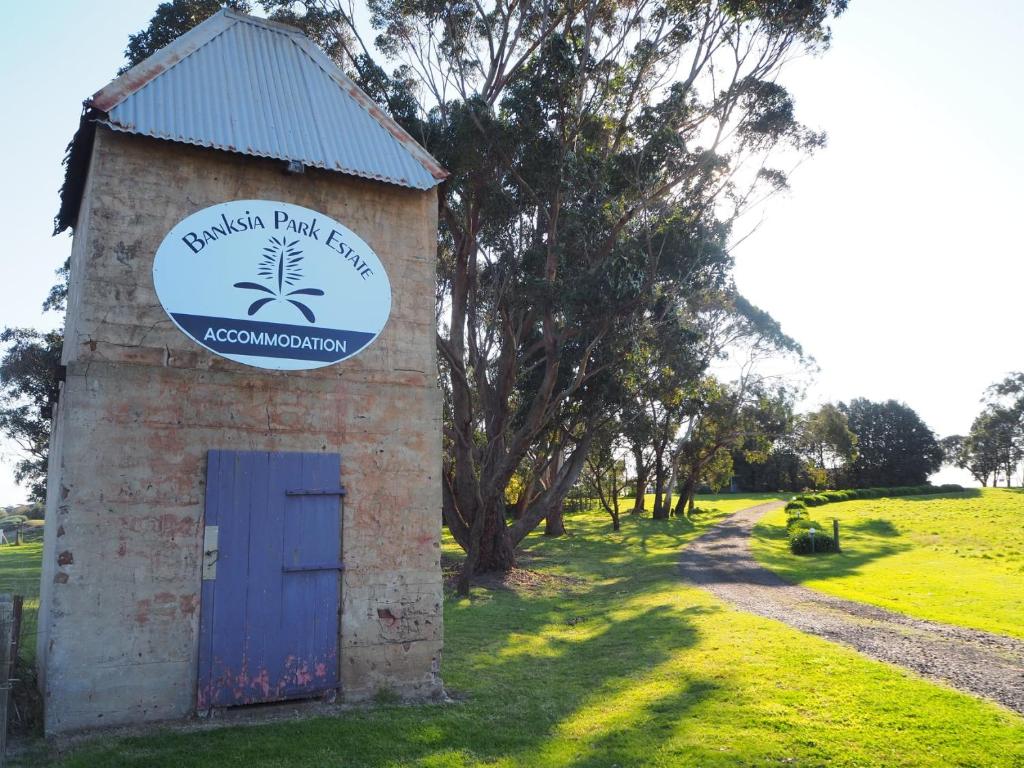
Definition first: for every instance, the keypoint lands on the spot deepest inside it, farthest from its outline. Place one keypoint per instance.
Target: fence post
(17, 606)
(6, 630)
(835, 532)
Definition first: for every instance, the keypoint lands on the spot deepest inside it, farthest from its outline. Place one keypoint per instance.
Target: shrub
(795, 517)
(800, 542)
(795, 505)
(800, 524)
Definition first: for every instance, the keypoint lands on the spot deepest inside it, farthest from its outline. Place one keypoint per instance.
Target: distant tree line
(860, 444)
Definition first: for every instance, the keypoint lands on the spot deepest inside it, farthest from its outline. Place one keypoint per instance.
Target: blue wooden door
(271, 577)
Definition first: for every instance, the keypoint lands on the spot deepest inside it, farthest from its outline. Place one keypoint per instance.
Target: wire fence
(19, 577)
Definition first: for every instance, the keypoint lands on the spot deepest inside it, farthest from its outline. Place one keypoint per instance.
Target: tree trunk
(670, 487)
(686, 495)
(659, 512)
(492, 550)
(639, 502)
(554, 523)
(611, 506)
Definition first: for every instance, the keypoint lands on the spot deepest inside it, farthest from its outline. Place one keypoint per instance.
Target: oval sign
(272, 285)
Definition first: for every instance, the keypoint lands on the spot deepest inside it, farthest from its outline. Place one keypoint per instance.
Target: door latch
(210, 552)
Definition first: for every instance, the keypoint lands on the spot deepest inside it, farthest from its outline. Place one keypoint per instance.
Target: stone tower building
(244, 498)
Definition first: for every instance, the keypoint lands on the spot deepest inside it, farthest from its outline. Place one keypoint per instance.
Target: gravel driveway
(977, 662)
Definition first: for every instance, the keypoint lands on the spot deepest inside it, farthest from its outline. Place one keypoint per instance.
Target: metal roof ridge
(154, 65)
(150, 68)
(371, 107)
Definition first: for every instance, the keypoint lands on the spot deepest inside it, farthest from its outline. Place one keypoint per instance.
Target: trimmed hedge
(800, 524)
(828, 497)
(801, 541)
(795, 505)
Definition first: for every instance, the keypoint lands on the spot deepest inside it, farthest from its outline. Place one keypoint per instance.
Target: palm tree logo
(280, 265)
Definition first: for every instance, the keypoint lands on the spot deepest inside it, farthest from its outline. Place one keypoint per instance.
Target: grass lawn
(958, 559)
(610, 661)
(19, 575)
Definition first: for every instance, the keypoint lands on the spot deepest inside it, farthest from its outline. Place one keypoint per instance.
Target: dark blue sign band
(295, 342)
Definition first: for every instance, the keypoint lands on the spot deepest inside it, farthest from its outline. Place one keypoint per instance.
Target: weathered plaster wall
(142, 404)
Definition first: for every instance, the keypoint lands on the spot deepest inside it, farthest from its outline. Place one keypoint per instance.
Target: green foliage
(795, 505)
(832, 496)
(826, 441)
(28, 390)
(803, 542)
(170, 21)
(996, 441)
(813, 500)
(781, 468)
(894, 446)
(803, 523)
(586, 213)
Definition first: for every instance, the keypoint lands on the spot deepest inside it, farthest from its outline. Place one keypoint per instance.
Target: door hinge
(315, 491)
(210, 552)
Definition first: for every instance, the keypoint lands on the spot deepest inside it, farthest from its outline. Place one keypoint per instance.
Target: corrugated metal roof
(243, 84)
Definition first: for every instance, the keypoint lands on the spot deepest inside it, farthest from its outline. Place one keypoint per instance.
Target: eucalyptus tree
(604, 472)
(727, 329)
(596, 151)
(1005, 418)
(972, 453)
(747, 415)
(995, 442)
(28, 391)
(827, 443)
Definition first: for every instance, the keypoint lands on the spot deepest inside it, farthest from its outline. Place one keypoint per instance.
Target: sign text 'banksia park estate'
(315, 294)
(244, 492)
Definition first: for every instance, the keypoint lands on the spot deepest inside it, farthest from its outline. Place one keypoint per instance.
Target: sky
(893, 259)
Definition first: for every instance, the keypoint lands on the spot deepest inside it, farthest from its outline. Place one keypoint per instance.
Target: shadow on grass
(859, 544)
(659, 718)
(969, 493)
(874, 527)
(530, 665)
